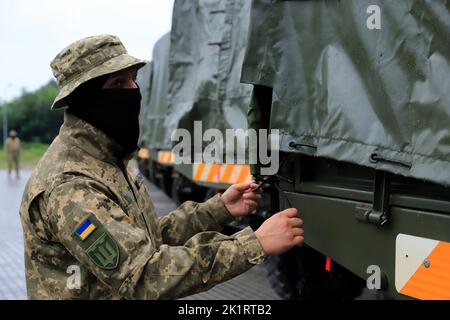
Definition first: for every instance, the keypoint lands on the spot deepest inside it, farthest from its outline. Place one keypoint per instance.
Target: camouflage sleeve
(191, 217)
(108, 242)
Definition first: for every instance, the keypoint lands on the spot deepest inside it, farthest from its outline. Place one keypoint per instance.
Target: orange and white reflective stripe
(165, 157)
(221, 173)
(422, 268)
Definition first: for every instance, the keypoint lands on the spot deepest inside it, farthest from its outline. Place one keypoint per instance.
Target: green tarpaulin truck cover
(208, 41)
(358, 84)
(153, 80)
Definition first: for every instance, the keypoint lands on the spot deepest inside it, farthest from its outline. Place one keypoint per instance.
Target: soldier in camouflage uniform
(82, 210)
(13, 148)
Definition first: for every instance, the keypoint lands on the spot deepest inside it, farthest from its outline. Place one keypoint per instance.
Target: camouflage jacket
(91, 232)
(12, 146)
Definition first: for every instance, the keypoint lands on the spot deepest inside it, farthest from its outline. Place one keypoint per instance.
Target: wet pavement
(252, 285)
(12, 276)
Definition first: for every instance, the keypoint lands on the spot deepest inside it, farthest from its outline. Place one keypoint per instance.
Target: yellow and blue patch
(85, 230)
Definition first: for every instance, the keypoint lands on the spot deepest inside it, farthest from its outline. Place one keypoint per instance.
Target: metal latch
(365, 213)
(379, 212)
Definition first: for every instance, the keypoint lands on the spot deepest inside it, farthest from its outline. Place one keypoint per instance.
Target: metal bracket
(379, 212)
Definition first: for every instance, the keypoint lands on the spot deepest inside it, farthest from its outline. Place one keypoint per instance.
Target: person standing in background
(12, 151)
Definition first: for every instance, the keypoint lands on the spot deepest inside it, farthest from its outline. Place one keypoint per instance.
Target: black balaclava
(113, 111)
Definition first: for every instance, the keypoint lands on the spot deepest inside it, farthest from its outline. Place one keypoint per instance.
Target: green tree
(31, 117)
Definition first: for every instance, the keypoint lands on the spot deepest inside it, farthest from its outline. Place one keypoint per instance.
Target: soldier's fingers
(251, 203)
(297, 232)
(254, 185)
(296, 222)
(257, 188)
(252, 196)
(242, 187)
(291, 212)
(298, 241)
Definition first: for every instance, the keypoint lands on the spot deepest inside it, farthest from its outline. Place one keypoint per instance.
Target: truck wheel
(167, 181)
(177, 194)
(300, 274)
(152, 172)
(143, 168)
(285, 275)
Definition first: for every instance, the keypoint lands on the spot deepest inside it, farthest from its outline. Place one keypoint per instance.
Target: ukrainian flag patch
(85, 230)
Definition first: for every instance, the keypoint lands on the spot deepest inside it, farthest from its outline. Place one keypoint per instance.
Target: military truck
(155, 156)
(360, 92)
(144, 79)
(195, 79)
(207, 48)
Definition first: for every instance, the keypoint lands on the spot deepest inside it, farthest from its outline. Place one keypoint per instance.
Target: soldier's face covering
(113, 111)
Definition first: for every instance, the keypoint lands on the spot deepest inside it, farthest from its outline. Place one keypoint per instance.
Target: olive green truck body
(360, 91)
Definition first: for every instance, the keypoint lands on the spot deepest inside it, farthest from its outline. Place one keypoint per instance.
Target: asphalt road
(252, 285)
(12, 277)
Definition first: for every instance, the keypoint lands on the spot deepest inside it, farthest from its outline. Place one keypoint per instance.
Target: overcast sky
(32, 32)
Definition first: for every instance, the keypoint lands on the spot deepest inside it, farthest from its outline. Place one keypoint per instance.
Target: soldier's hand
(240, 200)
(281, 232)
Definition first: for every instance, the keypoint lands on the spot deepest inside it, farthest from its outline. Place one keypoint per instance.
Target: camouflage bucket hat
(87, 59)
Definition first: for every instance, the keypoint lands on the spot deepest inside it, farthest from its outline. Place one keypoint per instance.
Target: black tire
(300, 274)
(152, 172)
(143, 168)
(177, 194)
(158, 174)
(167, 181)
(285, 274)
